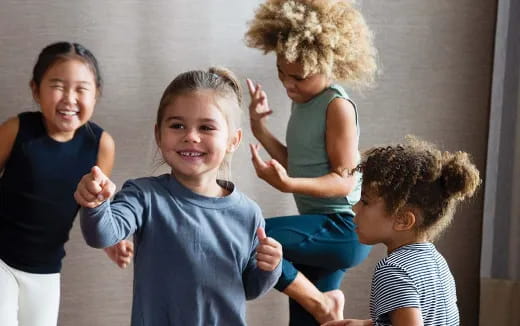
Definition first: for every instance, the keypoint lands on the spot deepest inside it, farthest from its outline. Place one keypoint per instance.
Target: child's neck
(405, 238)
(205, 186)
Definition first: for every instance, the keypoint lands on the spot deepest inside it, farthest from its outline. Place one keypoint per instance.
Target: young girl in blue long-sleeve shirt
(201, 250)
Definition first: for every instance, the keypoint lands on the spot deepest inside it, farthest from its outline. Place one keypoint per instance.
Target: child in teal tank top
(316, 42)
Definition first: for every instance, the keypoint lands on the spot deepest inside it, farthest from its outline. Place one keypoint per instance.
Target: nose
(288, 83)
(191, 136)
(70, 97)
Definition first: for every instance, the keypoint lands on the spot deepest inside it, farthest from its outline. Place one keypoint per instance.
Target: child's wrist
(257, 127)
(291, 185)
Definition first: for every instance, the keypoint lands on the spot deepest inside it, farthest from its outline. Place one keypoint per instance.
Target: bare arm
(106, 153)
(258, 112)
(342, 150)
(8, 132)
(406, 317)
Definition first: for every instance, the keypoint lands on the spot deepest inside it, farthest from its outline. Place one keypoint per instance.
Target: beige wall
(436, 60)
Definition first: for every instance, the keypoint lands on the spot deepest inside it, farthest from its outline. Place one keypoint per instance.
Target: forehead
(295, 68)
(70, 68)
(197, 104)
(369, 190)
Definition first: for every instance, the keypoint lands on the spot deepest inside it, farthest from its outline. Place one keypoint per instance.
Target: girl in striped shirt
(409, 195)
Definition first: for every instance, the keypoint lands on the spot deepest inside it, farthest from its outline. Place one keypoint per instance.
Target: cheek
(89, 101)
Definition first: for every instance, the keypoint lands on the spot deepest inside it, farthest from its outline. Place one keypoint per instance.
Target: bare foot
(334, 311)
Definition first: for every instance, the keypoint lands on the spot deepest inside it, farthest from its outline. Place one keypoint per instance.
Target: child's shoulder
(408, 257)
(30, 117)
(247, 205)
(251, 204)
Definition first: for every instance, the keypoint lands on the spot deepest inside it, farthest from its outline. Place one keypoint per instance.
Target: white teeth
(190, 154)
(68, 112)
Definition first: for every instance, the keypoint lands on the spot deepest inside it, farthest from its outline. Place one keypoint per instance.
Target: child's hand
(121, 253)
(258, 108)
(94, 188)
(271, 171)
(268, 252)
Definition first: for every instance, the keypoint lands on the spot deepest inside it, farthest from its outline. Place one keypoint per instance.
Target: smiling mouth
(68, 113)
(191, 154)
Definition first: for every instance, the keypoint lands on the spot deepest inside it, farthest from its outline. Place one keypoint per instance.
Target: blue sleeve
(392, 288)
(114, 220)
(257, 281)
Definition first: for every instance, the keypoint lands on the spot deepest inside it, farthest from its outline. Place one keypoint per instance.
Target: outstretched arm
(121, 253)
(106, 223)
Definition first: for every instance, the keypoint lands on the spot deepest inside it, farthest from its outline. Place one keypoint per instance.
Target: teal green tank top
(307, 151)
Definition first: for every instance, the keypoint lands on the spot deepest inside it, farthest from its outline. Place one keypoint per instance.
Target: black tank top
(37, 206)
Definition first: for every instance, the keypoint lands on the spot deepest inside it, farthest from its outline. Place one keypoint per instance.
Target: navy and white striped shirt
(414, 276)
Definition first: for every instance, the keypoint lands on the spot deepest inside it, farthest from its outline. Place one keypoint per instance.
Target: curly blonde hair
(325, 36)
(417, 175)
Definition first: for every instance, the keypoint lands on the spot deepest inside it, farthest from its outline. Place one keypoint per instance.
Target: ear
(404, 221)
(234, 141)
(157, 132)
(35, 91)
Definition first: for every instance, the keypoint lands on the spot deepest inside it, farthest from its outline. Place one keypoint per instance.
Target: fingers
(127, 247)
(251, 87)
(257, 160)
(268, 252)
(108, 191)
(278, 167)
(126, 253)
(86, 192)
(107, 187)
(121, 253)
(260, 233)
(94, 188)
(98, 175)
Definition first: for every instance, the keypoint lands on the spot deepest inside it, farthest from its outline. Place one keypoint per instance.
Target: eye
(207, 128)
(58, 87)
(83, 89)
(177, 126)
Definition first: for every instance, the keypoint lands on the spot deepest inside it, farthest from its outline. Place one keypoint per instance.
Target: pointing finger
(97, 174)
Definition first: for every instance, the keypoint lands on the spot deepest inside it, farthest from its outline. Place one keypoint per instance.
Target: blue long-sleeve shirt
(194, 255)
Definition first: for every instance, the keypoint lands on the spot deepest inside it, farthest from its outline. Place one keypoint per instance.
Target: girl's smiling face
(194, 136)
(67, 95)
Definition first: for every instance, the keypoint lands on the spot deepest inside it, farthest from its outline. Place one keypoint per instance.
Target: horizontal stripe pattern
(414, 276)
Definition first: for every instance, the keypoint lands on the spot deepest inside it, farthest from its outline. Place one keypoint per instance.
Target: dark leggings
(321, 247)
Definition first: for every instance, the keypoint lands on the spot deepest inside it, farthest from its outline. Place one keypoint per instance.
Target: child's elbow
(95, 241)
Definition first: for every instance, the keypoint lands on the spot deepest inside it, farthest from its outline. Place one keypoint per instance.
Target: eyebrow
(290, 75)
(58, 80)
(176, 117)
(365, 194)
